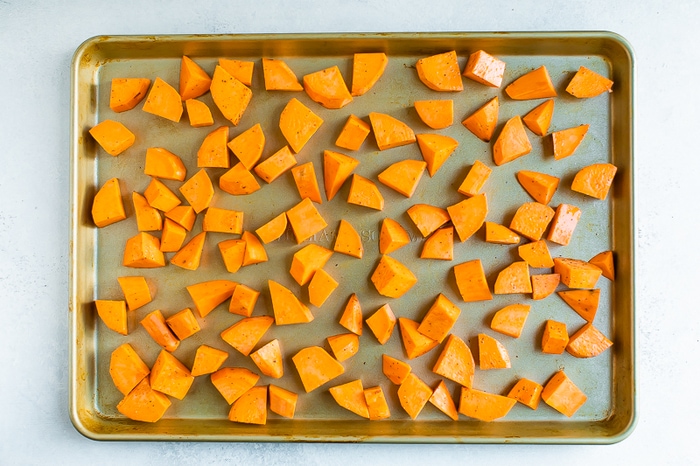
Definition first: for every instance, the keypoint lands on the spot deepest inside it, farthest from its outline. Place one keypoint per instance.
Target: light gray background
(37, 40)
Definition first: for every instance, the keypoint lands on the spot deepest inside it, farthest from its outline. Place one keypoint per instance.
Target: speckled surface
(38, 42)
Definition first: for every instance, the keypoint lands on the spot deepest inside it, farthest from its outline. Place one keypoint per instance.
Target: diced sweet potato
(540, 186)
(147, 217)
(526, 392)
(279, 76)
(158, 329)
(298, 123)
(364, 192)
(594, 180)
(327, 87)
(437, 114)
(377, 406)
(576, 273)
(584, 302)
(232, 382)
(136, 291)
(427, 218)
(531, 220)
(392, 236)
(468, 215)
(443, 401)
(456, 362)
(566, 141)
(544, 284)
(353, 134)
(183, 324)
(606, 263)
(413, 394)
(351, 317)
(555, 337)
(254, 252)
(588, 342)
(126, 368)
(316, 367)
(539, 118)
(403, 176)
(170, 376)
(274, 166)
(250, 407)
(198, 113)
(515, 278)
(536, 254)
(190, 255)
(143, 251)
(248, 146)
(282, 402)
(471, 281)
(492, 354)
(440, 318)
(209, 294)
(500, 234)
(305, 220)
(194, 81)
(198, 191)
(163, 100)
(395, 369)
(367, 68)
(269, 360)
(143, 403)
(107, 205)
(390, 132)
(344, 346)
(382, 323)
(337, 168)
(435, 149)
(127, 93)
(246, 333)
(307, 260)
(161, 163)
(475, 179)
(207, 360)
(510, 320)
(113, 314)
(348, 241)
(306, 182)
(213, 152)
(440, 72)
(320, 287)
(484, 406)
(230, 95)
(415, 344)
(160, 196)
(287, 308)
(351, 396)
(512, 142)
(243, 300)
(587, 83)
(440, 245)
(535, 84)
(391, 278)
(485, 69)
(482, 123)
(238, 181)
(563, 395)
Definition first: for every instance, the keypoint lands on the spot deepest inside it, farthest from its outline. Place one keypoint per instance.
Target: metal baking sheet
(608, 380)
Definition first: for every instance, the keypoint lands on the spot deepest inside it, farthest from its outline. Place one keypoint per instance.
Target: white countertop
(38, 39)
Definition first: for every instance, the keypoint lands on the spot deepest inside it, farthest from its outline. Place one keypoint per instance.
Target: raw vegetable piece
(499, 234)
(170, 376)
(239, 69)
(305, 179)
(268, 358)
(223, 220)
(390, 132)
(531, 220)
(539, 118)
(305, 220)
(238, 181)
(155, 325)
(395, 369)
(382, 323)
(515, 278)
(287, 308)
(160, 197)
(563, 395)
(391, 278)
(577, 273)
(164, 101)
(351, 318)
(485, 69)
(437, 114)
(440, 72)
(126, 368)
(136, 291)
(392, 236)
(198, 191)
(243, 300)
(471, 281)
(320, 287)
(364, 192)
(209, 294)
(344, 346)
(207, 360)
(232, 382)
(233, 252)
(367, 68)
(194, 81)
(456, 362)
(535, 84)
(112, 136)
(190, 255)
(251, 407)
(440, 245)
(143, 251)
(413, 395)
(279, 77)
(594, 180)
(161, 163)
(274, 166)
(605, 262)
(183, 215)
(327, 87)
(183, 324)
(273, 229)
(435, 148)
(512, 142)
(351, 396)
(443, 401)
(254, 250)
(213, 152)
(246, 333)
(298, 123)
(468, 215)
(555, 337)
(348, 241)
(565, 219)
(198, 113)
(376, 403)
(316, 367)
(482, 123)
(587, 342)
(337, 168)
(484, 406)
(107, 205)
(588, 83)
(282, 402)
(567, 141)
(126, 93)
(492, 354)
(248, 146)
(536, 254)
(415, 344)
(143, 403)
(526, 392)
(113, 314)
(403, 176)
(538, 185)
(353, 134)
(427, 218)
(475, 179)
(544, 284)
(230, 95)
(307, 261)
(172, 237)
(439, 319)
(510, 320)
